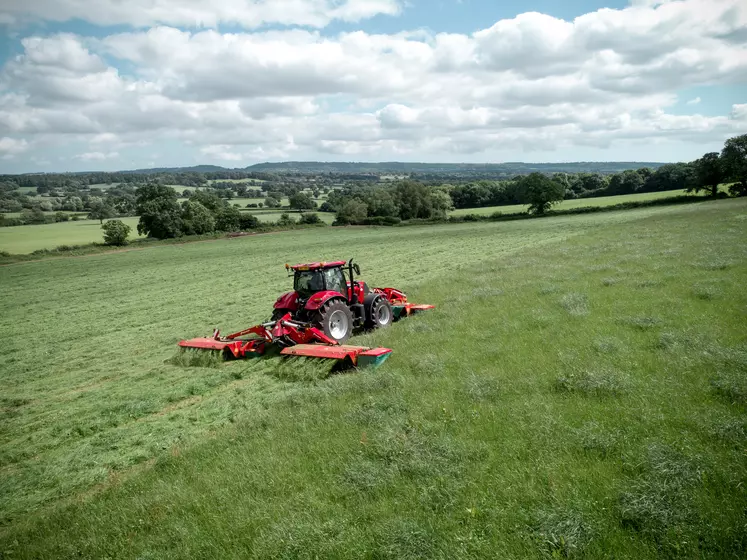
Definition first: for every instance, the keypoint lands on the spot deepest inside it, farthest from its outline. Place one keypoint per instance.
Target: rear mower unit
(318, 317)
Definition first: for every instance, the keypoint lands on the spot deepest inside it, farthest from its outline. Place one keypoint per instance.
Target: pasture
(580, 391)
(27, 239)
(573, 203)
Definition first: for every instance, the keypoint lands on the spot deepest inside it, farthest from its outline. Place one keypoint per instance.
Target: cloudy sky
(121, 84)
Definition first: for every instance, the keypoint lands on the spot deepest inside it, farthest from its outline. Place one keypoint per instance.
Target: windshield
(308, 282)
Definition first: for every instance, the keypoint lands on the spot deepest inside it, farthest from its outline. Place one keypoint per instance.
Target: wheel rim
(338, 325)
(384, 315)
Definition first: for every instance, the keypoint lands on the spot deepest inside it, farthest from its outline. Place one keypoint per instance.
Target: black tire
(336, 320)
(380, 314)
(278, 314)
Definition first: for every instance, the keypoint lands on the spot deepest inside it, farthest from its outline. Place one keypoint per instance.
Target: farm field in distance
(573, 203)
(26, 239)
(579, 391)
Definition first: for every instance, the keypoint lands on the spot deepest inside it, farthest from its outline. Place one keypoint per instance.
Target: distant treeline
(324, 173)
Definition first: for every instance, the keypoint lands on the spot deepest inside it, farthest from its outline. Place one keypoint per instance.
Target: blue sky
(104, 85)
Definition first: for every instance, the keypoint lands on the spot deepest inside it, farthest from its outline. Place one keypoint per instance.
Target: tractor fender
(288, 301)
(321, 298)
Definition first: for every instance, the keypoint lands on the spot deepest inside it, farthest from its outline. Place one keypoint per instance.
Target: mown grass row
(582, 398)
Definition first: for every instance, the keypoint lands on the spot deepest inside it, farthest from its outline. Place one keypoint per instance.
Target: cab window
(335, 280)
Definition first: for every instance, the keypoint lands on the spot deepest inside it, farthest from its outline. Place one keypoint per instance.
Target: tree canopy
(541, 192)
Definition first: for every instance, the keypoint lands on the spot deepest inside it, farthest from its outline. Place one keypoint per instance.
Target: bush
(197, 219)
(272, 202)
(227, 219)
(381, 221)
(249, 221)
(286, 220)
(115, 232)
(61, 217)
(34, 216)
(472, 218)
(310, 218)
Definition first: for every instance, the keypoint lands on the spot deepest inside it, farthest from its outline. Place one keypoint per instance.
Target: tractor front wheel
(336, 321)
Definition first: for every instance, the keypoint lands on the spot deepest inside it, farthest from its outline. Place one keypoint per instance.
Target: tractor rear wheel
(336, 321)
(380, 315)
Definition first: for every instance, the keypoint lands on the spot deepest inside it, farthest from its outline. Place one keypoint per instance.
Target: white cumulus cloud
(199, 13)
(533, 82)
(97, 156)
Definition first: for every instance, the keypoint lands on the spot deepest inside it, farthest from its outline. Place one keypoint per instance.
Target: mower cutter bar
(359, 356)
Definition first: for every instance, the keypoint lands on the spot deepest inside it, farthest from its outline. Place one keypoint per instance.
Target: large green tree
(670, 177)
(196, 218)
(302, 201)
(734, 158)
(540, 192)
(160, 213)
(352, 211)
(414, 200)
(708, 173)
(101, 211)
(629, 181)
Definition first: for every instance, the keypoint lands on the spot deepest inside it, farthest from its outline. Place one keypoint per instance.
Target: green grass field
(273, 215)
(250, 181)
(575, 203)
(580, 391)
(27, 239)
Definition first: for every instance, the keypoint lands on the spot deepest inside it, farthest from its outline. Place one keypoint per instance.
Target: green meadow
(27, 239)
(600, 201)
(580, 391)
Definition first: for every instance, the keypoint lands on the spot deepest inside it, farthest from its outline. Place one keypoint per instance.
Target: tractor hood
(288, 300)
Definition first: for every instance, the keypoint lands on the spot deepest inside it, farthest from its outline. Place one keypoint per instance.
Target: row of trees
(162, 216)
(404, 201)
(409, 200)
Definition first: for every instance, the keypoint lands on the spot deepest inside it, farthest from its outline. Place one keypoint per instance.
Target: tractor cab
(309, 279)
(320, 277)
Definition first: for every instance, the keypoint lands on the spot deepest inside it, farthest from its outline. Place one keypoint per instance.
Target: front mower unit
(318, 317)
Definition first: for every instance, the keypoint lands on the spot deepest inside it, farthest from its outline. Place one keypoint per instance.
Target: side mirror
(357, 269)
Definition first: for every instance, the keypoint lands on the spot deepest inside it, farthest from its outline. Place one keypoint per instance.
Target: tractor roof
(317, 265)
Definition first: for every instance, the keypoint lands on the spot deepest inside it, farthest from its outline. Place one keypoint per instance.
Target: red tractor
(325, 307)
(322, 296)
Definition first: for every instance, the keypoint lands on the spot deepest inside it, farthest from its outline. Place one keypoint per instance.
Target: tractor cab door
(335, 280)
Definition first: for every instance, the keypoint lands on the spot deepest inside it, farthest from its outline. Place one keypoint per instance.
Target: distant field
(569, 204)
(251, 181)
(27, 239)
(580, 391)
(273, 215)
